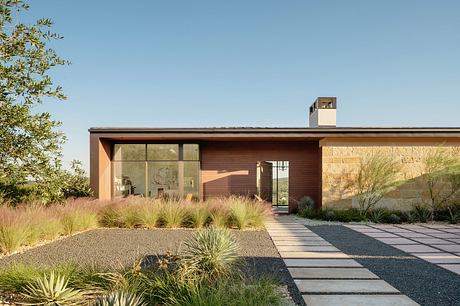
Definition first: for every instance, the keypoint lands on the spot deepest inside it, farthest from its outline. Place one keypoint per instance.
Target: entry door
(265, 180)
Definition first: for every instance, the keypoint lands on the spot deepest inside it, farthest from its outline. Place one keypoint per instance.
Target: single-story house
(280, 165)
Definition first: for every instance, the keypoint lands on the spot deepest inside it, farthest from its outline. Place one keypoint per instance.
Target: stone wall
(341, 161)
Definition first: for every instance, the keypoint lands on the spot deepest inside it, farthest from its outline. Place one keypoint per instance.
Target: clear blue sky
(253, 63)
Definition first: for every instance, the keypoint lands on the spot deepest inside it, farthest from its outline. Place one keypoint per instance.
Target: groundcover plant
(207, 272)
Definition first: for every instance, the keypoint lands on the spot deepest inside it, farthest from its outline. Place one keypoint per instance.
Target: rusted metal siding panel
(230, 167)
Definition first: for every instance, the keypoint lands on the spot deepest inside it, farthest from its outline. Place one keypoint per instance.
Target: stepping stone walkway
(326, 276)
(436, 243)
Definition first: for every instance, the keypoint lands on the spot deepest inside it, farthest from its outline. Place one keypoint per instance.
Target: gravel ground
(115, 247)
(425, 283)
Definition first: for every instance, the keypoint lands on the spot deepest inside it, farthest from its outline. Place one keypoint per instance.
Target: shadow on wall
(341, 194)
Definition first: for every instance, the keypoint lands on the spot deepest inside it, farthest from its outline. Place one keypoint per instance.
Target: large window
(155, 170)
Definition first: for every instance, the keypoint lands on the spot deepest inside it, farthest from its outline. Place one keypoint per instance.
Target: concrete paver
(353, 286)
(358, 300)
(333, 273)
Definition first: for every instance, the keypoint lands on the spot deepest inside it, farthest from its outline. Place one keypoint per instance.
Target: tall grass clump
(77, 216)
(219, 213)
(173, 213)
(198, 214)
(150, 214)
(14, 229)
(247, 213)
(210, 253)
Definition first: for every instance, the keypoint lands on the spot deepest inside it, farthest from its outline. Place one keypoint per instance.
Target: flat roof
(275, 132)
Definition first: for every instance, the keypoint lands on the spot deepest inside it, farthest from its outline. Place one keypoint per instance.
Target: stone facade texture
(340, 163)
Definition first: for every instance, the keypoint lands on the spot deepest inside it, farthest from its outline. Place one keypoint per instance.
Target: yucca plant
(208, 254)
(52, 290)
(119, 298)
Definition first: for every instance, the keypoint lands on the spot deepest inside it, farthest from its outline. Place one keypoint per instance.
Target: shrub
(119, 298)
(198, 214)
(209, 253)
(329, 215)
(173, 213)
(393, 219)
(305, 203)
(349, 215)
(52, 290)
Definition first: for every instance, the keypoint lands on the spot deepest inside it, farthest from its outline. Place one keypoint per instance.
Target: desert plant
(441, 174)
(422, 213)
(377, 175)
(52, 290)
(376, 215)
(119, 298)
(208, 254)
(198, 214)
(305, 202)
(173, 213)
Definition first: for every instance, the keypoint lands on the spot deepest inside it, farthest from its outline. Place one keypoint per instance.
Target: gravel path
(425, 283)
(115, 247)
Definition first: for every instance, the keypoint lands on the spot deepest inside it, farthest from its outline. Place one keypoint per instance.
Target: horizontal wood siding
(230, 167)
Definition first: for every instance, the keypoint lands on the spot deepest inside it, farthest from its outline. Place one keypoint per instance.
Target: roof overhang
(268, 133)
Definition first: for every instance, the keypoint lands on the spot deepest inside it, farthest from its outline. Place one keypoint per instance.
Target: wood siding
(230, 167)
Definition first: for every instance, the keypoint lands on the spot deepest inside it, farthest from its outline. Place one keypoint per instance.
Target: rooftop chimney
(323, 112)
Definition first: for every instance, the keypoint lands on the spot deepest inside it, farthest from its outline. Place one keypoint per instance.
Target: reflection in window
(163, 152)
(128, 178)
(191, 152)
(156, 170)
(129, 152)
(191, 178)
(163, 179)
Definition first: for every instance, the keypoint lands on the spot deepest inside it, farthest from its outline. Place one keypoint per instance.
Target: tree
(441, 173)
(30, 145)
(377, 175)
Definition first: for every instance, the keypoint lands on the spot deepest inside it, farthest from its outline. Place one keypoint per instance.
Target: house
(280, 165)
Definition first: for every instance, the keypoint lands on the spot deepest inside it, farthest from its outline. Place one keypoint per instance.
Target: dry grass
(30, 224)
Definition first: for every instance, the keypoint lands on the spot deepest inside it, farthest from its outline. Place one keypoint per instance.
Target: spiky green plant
(208, 254)
(119, 298)
(52, 290)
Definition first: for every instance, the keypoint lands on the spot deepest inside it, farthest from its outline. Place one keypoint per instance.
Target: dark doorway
(273, 182)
